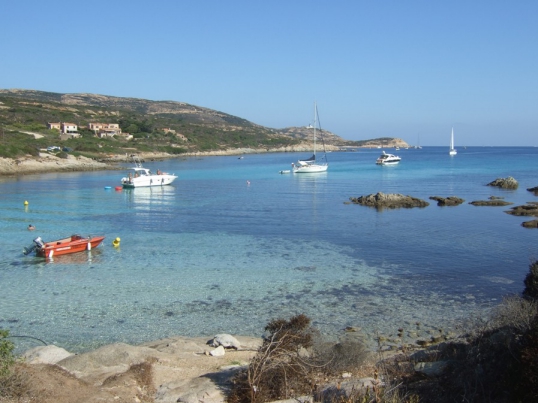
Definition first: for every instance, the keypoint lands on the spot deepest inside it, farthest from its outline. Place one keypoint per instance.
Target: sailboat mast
(315, 124)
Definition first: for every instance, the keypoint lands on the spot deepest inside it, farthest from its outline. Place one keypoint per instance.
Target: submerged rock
(529, 209)
(494, 202)
(391, 200)
(447, 201)
(505, 183)
(534, 190)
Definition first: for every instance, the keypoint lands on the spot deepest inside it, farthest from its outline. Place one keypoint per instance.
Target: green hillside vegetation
(156, 126)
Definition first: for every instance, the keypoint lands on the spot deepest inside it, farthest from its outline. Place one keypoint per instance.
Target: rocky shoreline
(169, 370)
(49, 163)
(46, 162)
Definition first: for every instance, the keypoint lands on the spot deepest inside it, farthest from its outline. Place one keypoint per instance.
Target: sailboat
(418, 147)
(452, 150)
(311, 165)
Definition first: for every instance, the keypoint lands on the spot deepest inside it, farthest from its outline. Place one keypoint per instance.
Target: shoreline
(47, 163)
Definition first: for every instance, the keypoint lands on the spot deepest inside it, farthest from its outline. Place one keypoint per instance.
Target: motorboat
(142, 177)
(72, 244)
(387, 159)
(311, 165)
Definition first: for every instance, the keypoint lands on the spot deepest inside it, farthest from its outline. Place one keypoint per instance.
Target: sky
(409, 69)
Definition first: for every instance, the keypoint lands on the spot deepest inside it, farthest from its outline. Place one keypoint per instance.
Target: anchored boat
(72, 244)
(142, 177)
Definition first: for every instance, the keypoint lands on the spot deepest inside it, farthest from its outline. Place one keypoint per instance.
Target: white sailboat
(452, 150)
(311, 165)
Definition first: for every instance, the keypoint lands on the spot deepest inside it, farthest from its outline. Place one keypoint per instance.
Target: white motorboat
(387, 159)
(452, 150)
(311, 165)
(142, 177)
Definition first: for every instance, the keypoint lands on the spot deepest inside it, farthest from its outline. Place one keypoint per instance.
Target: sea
(233, 244)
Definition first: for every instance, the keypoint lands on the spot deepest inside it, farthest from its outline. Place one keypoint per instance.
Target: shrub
(341, 357)
(531, 281)
(515, 312)
(277, 371)
(6, 353)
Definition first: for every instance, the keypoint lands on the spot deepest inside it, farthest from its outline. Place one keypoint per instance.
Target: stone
(225, 340)
(534, 190)
(431, 369)
(389, 200)
(447, 201)
(505, 183)
(45, 355)
(218, 352)
(529, 209)
(491, 202)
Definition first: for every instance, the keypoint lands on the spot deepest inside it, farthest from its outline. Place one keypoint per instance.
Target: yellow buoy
(116, 242)
(26, 202)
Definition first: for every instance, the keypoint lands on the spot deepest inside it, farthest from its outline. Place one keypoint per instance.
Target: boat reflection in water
(148, 196)
(92, 256)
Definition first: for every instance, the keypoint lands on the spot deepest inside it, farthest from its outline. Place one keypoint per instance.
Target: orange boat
(72, 244)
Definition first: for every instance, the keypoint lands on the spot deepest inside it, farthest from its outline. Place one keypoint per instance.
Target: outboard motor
(38, 243)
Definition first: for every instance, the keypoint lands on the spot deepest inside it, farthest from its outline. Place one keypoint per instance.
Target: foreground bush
(531, 282)
(277, 371)
(6, 353)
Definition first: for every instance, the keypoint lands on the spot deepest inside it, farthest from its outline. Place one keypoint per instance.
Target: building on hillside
(105, 129)
(68, 128)
(54, 126)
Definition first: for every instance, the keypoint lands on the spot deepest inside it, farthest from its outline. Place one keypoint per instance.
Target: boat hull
(310, 168)
(73, 244)
(387, 159)
(146, 181)
(388, 162)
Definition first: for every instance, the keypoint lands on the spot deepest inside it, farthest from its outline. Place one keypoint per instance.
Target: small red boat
(72, 244)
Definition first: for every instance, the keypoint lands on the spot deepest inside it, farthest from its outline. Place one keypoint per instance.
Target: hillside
(155, 126)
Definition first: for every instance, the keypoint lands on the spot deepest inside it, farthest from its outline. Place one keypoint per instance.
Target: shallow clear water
(213, 254)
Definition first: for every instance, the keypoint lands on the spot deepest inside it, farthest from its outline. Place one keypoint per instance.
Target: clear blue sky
(407, 69)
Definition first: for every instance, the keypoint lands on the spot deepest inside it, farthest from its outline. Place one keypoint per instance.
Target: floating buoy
(108, 187)
(118, 187)
(26, 202)
(116, 242)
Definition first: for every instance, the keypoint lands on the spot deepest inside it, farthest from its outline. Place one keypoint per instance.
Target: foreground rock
(391, 200)
(447, 201)
(505, 183)
(177, 369)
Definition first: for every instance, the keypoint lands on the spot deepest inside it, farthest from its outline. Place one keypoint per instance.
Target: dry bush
(531, 281)
(515, 312)
(141, 374)
(17, 384)
(526, 380)
(277, 371)
(345, 356)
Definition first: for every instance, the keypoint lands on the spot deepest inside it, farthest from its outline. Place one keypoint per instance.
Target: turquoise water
(233, 244)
